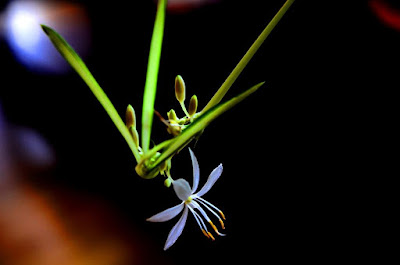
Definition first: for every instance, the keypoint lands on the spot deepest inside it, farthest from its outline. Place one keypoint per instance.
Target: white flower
(192, 202)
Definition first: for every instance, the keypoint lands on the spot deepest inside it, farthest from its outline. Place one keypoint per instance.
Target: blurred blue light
(28, 42)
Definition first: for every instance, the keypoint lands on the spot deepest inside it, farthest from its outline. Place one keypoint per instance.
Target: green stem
(246, 58)
(153, 66)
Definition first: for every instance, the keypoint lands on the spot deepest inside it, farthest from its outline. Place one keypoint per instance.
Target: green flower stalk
(156, 160)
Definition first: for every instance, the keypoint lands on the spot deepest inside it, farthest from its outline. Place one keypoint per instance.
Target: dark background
(293, 153)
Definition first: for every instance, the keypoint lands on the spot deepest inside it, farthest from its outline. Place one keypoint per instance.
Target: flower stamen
(213, 206)
(222, 214)
(222, 224)
(202, 201)
(213, 226)
(200, 222)
(205, 233)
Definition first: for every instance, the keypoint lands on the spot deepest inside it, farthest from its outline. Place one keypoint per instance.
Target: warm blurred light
(44, 224)
(388, 15)
(187, 5)
(3, 158)
(30, 45)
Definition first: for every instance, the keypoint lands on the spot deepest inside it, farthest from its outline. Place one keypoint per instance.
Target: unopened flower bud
(180, 89)
(135, 135)
(130, 117)
(167, 182)
(172, 115)
(193, 105)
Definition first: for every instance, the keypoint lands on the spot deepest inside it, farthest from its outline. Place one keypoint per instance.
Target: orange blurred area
(43, 223)
(46, 228)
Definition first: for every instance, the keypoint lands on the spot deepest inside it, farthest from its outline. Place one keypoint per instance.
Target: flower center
(189, 199)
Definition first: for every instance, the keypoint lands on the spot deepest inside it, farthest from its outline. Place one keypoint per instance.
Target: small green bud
(172, 115)
(130, 117)
(180, 89)
(193, 105)
(167, 182)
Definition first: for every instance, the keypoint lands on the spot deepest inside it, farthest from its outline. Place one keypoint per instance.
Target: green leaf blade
(79, 66)
(247, 57)
(153, 66)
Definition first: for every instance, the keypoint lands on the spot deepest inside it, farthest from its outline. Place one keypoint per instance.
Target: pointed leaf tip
(45, 28)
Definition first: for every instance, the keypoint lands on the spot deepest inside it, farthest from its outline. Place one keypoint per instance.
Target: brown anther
(222, 214)
(205, 233)
(213, 226)
(222, 224)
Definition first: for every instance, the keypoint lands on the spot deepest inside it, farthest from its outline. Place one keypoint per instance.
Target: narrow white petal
(167, 214)
(215, 174)
(176, 231)
(182, 189)
(196, 171)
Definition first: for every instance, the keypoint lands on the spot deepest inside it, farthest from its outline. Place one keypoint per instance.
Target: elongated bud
(135, 135)
(130, 117)
(172, 115)
(180, 89)
(192, 105)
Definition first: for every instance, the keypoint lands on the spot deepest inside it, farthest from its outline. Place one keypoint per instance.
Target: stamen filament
(205, 233)
(200, 222)
(212, 205)
(204, 214)
(215, 229)
(222, 224)
(213, 226)
(214, 213)
(222, 214)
